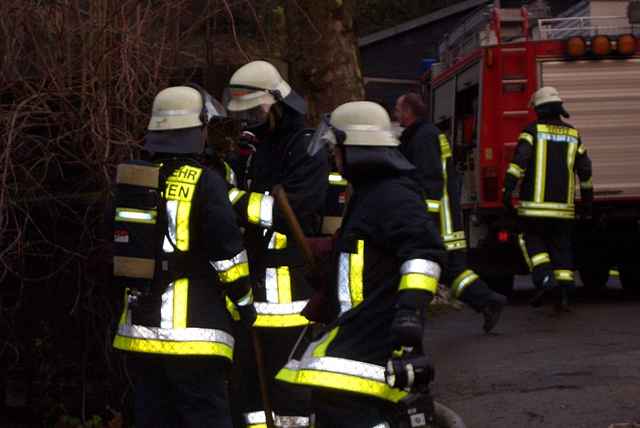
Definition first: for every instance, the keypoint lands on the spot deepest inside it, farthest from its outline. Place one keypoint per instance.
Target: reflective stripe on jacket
(547, 158)
(184, 313)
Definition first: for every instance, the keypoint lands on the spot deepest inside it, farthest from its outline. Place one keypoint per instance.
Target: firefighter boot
(485, 301)
(561, 296)
(544, 281)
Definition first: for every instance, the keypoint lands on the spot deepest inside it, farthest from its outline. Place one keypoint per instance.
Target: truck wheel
(502, 284)
(594, 278)
(630, 278)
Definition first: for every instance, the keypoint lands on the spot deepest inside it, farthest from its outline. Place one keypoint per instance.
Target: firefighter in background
(179, 253)
(429, 150)
(273, 113)
(386, 265)
(548, 156)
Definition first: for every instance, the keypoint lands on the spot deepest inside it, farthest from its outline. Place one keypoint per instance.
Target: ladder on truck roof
(512, 82)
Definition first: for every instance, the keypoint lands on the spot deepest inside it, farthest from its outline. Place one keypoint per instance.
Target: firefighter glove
(507, 201)
(248, 315)
(407, 328)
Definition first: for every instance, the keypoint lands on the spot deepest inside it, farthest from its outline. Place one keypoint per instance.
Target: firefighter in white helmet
(178, 255)
(387, 266)
(548, 156)
(273, 114)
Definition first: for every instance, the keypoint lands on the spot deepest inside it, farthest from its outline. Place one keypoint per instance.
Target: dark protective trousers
(464, 283)
(334, 409)
(277, 344)
(179, 391)
(546, 247)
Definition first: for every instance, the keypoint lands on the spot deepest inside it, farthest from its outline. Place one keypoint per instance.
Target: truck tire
(594, 278)
(630, 277)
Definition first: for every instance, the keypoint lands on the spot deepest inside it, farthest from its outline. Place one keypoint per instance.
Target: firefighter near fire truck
(368, 367)
(429, 150)
(178, 253)
(548, 156)
(273, 113)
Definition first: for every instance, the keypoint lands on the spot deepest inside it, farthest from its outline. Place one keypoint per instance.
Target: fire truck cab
(479, 95)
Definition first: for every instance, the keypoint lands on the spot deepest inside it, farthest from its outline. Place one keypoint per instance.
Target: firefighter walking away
(548, 156)
(369, 367)
(178, 255)
(429, 150)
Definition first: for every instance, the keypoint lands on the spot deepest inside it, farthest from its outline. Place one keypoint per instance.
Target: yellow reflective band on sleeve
(433, 206)
(564, 275)
(253, 208)
(132, 215)
(614, 273)
(154, 346)
(335, 179)
(418, 281)
(582, 149)
(321, 349)
(462, 281)
(234, 273)
(526, 137)
(356, 269)
(515, 170)
(539, 259)
(525, 253)
(342, 382)
(445, 148)
(235, 195)
(180, 303)
(588, 184)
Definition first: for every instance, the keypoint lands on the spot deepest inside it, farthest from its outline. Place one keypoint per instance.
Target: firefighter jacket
(281, 289)
(429, 150)
(548, 156)
(201, 260)
(388, 254)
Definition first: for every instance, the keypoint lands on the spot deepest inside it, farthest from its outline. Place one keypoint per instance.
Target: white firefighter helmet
(356, 123)
(181, 108)
(256, 86)
(545, 95)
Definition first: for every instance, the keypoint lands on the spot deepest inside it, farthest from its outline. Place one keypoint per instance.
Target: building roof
(419, 22)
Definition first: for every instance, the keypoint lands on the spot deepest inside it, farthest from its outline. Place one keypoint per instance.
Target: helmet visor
(326, 136)
(251, 118)
(213, 108)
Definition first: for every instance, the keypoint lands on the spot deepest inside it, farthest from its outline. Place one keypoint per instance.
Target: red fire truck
(479, 92)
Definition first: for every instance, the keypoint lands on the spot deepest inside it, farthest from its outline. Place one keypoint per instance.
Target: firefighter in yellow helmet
(273, 113)
(548, 156)
(387, 264)
(178, 255)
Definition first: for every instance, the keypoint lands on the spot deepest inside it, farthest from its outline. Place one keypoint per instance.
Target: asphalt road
(538, 369)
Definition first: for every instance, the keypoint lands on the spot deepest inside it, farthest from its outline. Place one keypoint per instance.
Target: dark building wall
(399, 56)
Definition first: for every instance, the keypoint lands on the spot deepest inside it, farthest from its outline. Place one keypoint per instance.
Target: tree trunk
(323, 56)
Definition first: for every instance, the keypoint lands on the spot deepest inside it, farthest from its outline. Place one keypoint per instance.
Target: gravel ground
(540, 370)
